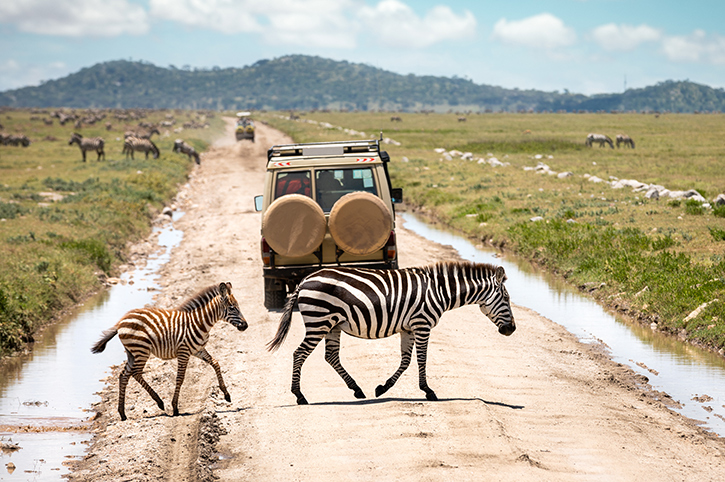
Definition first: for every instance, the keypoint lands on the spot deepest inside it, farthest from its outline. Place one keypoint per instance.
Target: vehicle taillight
(266, 253)
(390, 249)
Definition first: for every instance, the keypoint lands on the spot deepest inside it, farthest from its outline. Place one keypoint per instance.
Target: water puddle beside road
(45, 396)
(691, 376)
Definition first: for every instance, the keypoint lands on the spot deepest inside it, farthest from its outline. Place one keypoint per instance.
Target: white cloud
(696, 47)
(15, 74)
(622, 38)
(397, 25)
(75, 18)
(316, 23)
(542, 31)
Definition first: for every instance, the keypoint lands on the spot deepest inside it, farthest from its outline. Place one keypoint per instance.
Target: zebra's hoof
(359, 394)
(380, 390)
(228, 397)
(431, 396)
(301, 400)
(123, 418)
(161, 404)
(176, 412)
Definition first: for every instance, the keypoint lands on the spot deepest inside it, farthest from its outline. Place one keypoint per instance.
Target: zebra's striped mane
(201, 298)
(466, 266)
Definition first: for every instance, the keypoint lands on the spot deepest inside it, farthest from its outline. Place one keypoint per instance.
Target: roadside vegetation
(65, 224)
(656, 260)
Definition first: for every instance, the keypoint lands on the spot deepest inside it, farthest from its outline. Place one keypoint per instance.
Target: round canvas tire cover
(294, 225)
(360, 223)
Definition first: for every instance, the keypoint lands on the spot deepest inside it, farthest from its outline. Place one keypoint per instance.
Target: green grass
(673, 248)
(65, 224)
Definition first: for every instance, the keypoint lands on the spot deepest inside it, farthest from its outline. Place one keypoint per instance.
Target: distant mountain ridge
(300, 82)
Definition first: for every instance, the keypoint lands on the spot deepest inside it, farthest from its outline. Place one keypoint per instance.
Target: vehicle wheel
(360, 223)
(274, 299)
(294, 225)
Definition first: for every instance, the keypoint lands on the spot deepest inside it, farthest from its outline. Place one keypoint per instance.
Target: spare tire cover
(294, 225)
(360, 223)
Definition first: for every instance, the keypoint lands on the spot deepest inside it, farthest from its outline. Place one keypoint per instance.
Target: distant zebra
(184, 148)
(600, 138)
(169, 334)
(135, 144)
(373, 304)
(88, 144)
(624, 139)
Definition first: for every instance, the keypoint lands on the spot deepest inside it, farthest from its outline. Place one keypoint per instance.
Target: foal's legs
(204, 355)
(134, 367)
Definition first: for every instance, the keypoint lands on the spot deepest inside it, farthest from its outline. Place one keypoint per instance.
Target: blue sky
(585, 46)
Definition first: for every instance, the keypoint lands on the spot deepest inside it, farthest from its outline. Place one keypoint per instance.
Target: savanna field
(67, 224)
(657, 260)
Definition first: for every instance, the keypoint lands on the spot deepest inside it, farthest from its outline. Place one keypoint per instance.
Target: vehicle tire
(294, 225)
(360, 223)
(274, 299)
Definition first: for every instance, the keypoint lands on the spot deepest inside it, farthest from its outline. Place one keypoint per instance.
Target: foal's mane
(201, 298)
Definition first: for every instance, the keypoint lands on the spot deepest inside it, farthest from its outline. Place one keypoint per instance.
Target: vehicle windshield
(332, 184)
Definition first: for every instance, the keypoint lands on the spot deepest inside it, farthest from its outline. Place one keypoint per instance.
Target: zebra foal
(372, 304)
(169, 334)
(88, 144)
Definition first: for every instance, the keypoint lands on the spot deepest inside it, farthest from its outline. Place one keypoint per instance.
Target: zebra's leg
(136, 370)
(122, 384)
(421, 347)
(183, 361)
(299, 357)
(204, 355)
(332, 356)
(406, 350)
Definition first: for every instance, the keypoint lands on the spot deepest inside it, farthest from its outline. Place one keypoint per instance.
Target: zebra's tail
(285, 322)
(100, 345)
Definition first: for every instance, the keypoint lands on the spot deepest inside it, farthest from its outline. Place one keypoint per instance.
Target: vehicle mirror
(258, 203)
(396, 195)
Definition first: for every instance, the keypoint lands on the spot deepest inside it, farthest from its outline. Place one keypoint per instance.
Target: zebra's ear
(223, 289)
(500, 274)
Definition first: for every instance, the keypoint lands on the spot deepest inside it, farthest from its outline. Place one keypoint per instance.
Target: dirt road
(537, 405)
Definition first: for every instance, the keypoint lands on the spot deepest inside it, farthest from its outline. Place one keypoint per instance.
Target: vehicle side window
(332, 184)
(296, 182)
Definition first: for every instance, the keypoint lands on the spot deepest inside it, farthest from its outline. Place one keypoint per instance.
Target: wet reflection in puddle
(691, 376)
(45, 396)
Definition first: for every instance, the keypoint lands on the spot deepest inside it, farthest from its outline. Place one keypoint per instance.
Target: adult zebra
(169, 334)
(372, 304)
(601, 139)
(88, 144)
(184, 148)
(135, 144)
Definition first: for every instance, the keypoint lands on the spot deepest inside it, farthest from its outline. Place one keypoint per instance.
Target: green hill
(303, 83)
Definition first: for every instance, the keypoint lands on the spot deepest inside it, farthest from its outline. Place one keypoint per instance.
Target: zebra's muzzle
(240, 325)
(507, 328)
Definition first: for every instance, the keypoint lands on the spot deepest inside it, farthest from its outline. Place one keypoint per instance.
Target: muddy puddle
(693, 377)
(46, 396)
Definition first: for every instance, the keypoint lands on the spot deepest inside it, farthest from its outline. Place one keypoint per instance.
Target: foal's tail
(285, 322)
(100, 345)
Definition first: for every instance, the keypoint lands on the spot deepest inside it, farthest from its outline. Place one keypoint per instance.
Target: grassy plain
(64, 223)
(658, 259)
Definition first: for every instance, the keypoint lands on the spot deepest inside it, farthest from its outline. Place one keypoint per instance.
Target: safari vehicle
(325, 204)
(245, 126)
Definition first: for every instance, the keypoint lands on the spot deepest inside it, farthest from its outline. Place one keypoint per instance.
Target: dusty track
(538, 405)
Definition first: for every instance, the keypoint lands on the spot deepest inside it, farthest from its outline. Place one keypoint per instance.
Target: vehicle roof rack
(335, 148)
